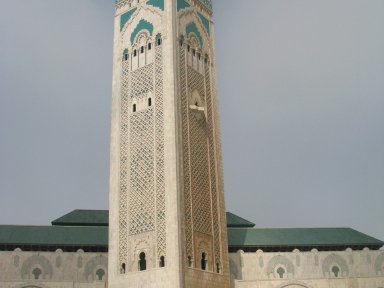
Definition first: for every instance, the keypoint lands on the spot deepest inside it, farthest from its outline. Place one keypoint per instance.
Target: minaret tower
(167, 213)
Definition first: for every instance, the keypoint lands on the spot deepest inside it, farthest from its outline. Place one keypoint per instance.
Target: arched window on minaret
(190, 262)
(125, 55)
(194, 53)
(141, 43)
(218, 268)
(204, 261)
(142, 262)
(162, 262)
(122, 268)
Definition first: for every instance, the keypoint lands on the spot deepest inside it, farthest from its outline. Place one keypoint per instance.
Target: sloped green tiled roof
(239, 238)
(299, 237)
(54, 235)
(236, 221)
(89, 228)
(83, 218)
(100, 218)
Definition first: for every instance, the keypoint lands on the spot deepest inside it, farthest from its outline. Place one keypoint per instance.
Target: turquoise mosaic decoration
(125, 18)
(143, 25)
(156, 3)
(192, 28)
(182, 4)
(205, 22)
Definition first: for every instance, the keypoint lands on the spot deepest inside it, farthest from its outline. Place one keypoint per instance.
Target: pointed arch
(198, 29)
(191, 28)
(294, 284)
(142, 25)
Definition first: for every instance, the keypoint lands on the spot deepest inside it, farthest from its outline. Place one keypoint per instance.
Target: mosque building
(166, 225)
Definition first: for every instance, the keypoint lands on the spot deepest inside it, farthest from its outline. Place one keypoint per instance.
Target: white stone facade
(20, 269)
(167, 216)
(331, 269)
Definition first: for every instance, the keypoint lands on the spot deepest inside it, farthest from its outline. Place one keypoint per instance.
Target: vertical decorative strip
(159, 130)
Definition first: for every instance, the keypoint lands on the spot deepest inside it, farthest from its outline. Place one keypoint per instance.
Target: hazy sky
(301, 86)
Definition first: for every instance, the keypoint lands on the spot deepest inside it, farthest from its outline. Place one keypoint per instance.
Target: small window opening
(181, 42)
(149, 46)
(193, 52)
(162, 262)
(158, 41)
(125, 57)
(336, 271)
(189, 48)
(190, 262)
(134, 108)
(203, 261)
(218, 267)
(199, 56)
(281, 272)
(206, 60)
(142, 262)
(134, 53)
(100, 274)
(149, 102)
(142, 49)
(37, 273)
(122, 269)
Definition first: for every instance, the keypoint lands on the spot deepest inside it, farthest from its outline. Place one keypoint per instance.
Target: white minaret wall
(148, 144)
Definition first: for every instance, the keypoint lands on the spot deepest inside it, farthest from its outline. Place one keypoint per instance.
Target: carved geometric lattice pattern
(142, 182)
(142, 81)
(141, 196)
(213, 163)
(160, 181)
(219, 247)
(201, 158)
(124, 154)
(141, 139)
(219, 172)
(187, 189)
(200, 178)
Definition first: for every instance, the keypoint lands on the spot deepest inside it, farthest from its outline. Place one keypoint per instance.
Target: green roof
(300, 237)
(236, 221)
(100, 218)
(238, 238)
(54, 235)
(88, 228)
(83, 218)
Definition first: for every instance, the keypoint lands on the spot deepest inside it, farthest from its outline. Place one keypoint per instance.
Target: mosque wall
(331, 269)
(19, 269)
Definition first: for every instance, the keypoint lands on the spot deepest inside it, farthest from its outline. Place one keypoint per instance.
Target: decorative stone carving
(335, 266)
(36, 262)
